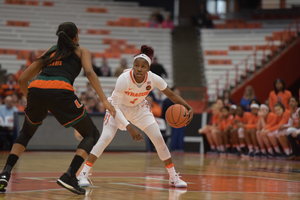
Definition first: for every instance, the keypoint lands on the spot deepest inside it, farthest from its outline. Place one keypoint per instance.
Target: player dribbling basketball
(129, 101)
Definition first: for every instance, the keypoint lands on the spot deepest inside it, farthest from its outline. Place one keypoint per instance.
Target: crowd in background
(270, 130)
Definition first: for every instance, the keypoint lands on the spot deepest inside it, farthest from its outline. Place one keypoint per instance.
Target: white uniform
(293, 122)
(128, 98)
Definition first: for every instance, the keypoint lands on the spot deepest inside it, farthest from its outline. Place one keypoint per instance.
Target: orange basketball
(176, 116)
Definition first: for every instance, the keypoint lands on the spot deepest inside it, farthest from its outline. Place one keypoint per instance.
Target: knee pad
(23, 138)
(87, 144)
(96, 135)
(163, 152)
(241, 133)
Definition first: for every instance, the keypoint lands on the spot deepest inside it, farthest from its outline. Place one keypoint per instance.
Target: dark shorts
(63, 105)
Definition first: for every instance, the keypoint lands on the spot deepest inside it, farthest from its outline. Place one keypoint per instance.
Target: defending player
(129, 101)
(52, 90)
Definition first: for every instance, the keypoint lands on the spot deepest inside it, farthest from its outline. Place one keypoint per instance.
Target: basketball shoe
(4, 178)
(70, 183)
(84, 180)
(175, 181)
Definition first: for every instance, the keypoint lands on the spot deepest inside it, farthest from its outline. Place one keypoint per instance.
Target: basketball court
(130, 175)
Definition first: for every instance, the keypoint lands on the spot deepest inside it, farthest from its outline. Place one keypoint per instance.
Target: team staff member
(53, 91)
(129, 100)
(279, 94)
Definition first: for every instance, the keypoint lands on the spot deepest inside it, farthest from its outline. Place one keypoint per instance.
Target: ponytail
(65, 45)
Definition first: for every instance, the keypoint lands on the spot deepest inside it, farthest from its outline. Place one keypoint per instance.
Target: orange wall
(286, 67)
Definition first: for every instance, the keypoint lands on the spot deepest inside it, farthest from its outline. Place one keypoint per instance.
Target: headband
(264, 106)
(143, 56)
(254, 105)
(233, 106)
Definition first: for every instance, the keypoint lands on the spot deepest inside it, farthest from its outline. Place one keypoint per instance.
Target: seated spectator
(156, 18)
(272, 132)
(121, 68)
(152, 22)
(225, 126)
(31, 59)
(22, 104)
(105, 69)
(156, 109)
(83, 98)
(100, 108)
(249, 126)
(7, 122)
(91, 105)
(10, 87)
(203, 18)
(265, 118)
(95, 68)
(20, 71)
(15, 99)
(168, 22)
(293, 127)
(157, 68)
(248, 96)
(279, 94)
(227, 98)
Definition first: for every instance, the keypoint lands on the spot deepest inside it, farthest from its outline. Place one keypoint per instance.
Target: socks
(75, 165)
(86, 168)
(10, 163)
(212, 147)
(270, 150)
(238, 148)
(287, 151)
(277, 149)
(171, 170)
(250, 147)
(264, 151)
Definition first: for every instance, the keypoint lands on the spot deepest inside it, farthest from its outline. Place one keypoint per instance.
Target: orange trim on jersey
(107, 119)
(33, 122)
(51, 84)
(132, 76)
(76, 118)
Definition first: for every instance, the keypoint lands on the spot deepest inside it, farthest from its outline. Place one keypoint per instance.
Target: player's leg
(283, 140)
(163, 152)
(18, 148)
(210, 140)
(274, 142)
(267, 143)
(261, 143)
(108, 133)
(241, 135)
(254, 142)
(90, 134)
(249, 142)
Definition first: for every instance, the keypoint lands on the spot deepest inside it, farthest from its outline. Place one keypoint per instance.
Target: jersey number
(134, 100)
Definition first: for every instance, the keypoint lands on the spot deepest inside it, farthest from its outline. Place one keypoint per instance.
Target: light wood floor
(142, 176)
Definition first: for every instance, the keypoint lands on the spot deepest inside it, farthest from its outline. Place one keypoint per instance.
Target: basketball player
(272, 132)
(52, 90)
(129, 101)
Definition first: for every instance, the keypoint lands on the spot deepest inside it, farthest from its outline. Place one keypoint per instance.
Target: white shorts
(277, 133)
(140, 115)
(292, 130)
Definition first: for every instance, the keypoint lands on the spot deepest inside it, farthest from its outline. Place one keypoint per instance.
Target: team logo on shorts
(78, 105)
(148, 87)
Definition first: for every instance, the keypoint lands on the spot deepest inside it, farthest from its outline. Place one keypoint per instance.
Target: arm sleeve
(159, 82)
(283, 121)
(117, 99)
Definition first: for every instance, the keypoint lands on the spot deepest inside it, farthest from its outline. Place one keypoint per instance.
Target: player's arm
(86, 62)
(29, 74)
(178, 100)
(120, 88)
(298, 125)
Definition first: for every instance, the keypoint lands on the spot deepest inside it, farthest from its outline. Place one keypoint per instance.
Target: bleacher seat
(43, 18)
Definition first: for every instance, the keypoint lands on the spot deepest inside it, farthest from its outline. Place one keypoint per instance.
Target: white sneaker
(84, 180)
(177, 182)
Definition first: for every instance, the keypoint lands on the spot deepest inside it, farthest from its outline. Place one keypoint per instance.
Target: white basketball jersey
(135, 93)
(295, 117)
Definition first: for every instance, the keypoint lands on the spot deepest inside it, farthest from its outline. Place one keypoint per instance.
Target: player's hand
(280, 127)
(135, 134)
(264, 132)
(240, 124)
(191, 115)
(110, 108)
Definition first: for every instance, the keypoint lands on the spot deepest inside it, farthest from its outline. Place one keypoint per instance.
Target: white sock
(171, 170)
(270, 150)
(264, 151)
(277, 149)
(85, 169)
(287, 151)
(250, 147)
(213, 147)
(238, 148)
(222, 148)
